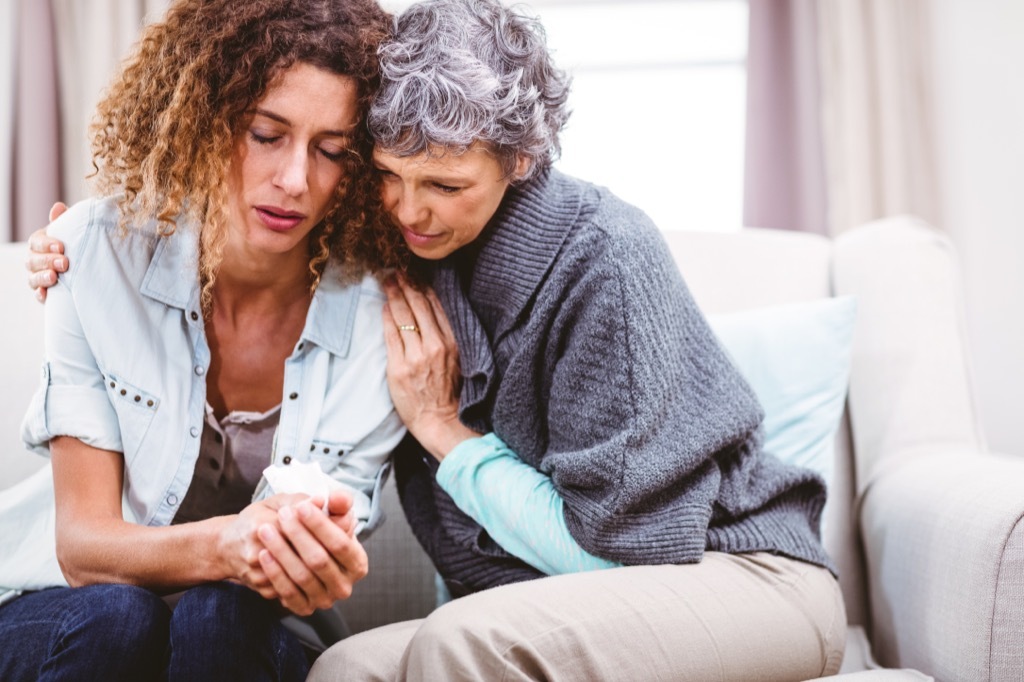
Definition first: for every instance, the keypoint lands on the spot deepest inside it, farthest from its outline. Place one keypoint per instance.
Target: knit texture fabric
(582, 348)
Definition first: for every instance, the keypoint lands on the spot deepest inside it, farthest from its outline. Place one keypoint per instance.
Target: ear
(523, 164)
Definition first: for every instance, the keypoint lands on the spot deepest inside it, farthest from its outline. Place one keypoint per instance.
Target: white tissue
(301, 477)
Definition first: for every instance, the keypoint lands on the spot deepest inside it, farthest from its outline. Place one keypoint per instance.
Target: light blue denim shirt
(126, 362)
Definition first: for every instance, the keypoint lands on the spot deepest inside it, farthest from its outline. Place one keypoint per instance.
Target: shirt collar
(485, 290)
(173, 274)
(520, 244)
(332, 313)
(173, 279)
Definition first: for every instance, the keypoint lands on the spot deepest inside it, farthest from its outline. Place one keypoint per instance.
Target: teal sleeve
(516, 504)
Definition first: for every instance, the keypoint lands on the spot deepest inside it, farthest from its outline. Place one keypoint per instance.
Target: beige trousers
(742, 618)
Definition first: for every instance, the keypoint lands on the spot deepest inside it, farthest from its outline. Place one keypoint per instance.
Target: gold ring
(408, 328)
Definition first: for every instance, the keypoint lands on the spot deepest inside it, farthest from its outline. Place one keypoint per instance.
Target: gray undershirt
(233, 453)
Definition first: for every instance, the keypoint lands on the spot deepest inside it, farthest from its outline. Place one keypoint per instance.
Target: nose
(292, 173)
(405, 208)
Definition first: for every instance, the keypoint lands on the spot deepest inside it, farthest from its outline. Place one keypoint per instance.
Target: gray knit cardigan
(582, 349)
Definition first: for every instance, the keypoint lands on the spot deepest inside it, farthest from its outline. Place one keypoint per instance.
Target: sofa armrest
(911, 389)
(944, 546)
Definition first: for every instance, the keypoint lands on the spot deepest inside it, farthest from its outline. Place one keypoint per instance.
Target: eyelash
(263, 139)
(444, 189)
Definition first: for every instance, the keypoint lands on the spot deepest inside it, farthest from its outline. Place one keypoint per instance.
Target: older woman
(204, 333)
(570, 408)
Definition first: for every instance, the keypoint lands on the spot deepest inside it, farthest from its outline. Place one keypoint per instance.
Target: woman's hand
(239, 545)
(423, 367)
(46, 257)
(304, 558)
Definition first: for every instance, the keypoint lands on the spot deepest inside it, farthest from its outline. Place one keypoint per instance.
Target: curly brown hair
(164, 132)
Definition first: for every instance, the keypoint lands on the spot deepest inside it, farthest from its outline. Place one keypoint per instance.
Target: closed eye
(332, 156)
(263, 139)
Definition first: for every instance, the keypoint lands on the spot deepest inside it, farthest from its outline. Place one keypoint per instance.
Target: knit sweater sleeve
(644, 407)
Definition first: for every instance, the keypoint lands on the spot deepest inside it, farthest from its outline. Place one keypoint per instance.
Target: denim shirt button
(172, 499)
(199, 371)
(194, 431)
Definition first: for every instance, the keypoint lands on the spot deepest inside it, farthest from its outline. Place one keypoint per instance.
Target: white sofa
(923, 522)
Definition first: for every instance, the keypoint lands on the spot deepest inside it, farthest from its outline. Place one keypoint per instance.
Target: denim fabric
(100, 632)
(218, 631)
(223, 631)
(126, 367)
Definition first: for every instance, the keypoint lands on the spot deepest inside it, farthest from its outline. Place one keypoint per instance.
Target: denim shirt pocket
(135, 409)
(328, 453)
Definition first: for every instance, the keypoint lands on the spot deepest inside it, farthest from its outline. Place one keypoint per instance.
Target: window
(659, 104)
(658, 100)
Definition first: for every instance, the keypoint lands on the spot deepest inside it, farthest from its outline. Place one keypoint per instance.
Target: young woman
(205, 332)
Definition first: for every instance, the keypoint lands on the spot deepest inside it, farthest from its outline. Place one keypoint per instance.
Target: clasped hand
(286, 549)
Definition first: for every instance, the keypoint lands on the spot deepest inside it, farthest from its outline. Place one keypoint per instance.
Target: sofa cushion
(796, 357)
(22, 347)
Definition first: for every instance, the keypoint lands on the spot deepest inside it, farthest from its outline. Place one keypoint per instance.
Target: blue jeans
(218, 631)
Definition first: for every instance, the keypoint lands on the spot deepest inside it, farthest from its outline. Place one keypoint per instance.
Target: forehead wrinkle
(427, 168)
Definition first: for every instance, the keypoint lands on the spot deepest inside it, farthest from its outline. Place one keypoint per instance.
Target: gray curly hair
(457, 72)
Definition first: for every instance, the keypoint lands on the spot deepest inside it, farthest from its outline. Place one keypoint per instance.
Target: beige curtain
(57, 57)
(876, 109)
(8, 19)
(35, 161)
(784, 184)
(93, 37)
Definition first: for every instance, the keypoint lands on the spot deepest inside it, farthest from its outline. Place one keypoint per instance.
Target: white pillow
(796, 357)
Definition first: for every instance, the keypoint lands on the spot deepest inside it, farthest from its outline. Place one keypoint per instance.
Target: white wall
(979, 53)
